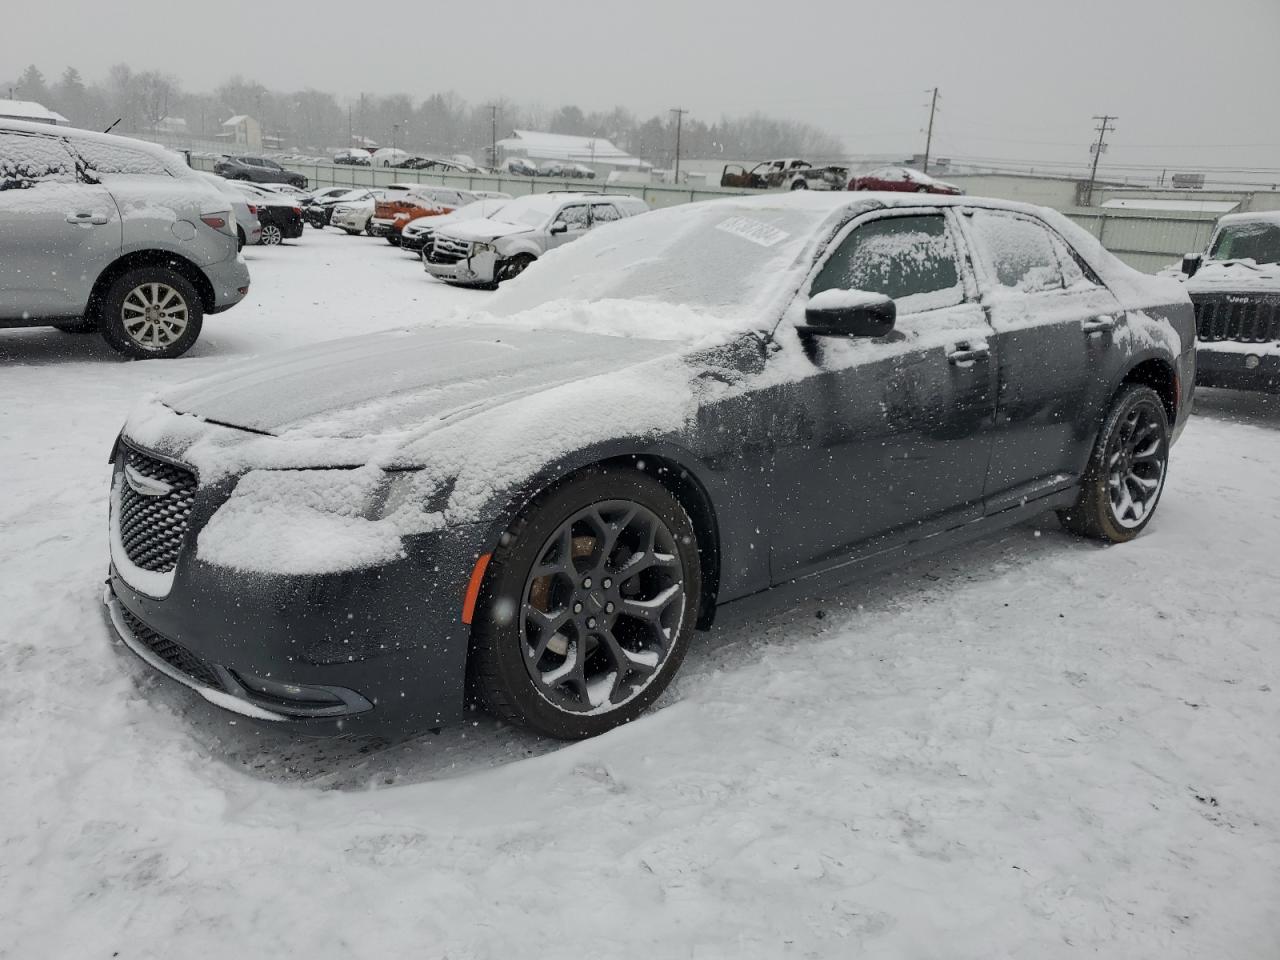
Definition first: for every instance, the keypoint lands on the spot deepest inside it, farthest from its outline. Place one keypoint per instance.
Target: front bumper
(1239, 366)
(478, 269)
(380, 227)
(378, 651)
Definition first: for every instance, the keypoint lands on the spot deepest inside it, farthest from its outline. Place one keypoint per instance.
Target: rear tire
(800, 184)
(151, 313)
(351, 233)
(586, 533)
(271, 235)
(1125, 477)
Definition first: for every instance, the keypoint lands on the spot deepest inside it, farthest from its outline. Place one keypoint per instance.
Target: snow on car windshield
(531, 211)
(731, 260)
(1257, 240)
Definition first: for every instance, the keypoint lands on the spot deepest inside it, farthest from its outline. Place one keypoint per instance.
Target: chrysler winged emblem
(143, 485)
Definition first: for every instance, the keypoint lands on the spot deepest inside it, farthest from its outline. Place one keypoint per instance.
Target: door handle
(86, 217)
(963, 353)
(1098, 324)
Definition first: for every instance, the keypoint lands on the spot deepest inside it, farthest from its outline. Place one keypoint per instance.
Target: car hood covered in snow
(484, 230)
(1242, 275)
(387, 381)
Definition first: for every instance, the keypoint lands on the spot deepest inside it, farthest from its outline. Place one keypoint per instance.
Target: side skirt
(849, 571)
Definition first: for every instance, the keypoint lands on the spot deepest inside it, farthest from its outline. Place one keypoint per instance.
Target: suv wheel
(587, 606)
(151, 312)
(800, 184)
(509, 269)
(1126, 473)
(271, 235)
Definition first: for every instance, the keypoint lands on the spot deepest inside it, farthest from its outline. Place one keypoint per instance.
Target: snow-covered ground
(1034, 747)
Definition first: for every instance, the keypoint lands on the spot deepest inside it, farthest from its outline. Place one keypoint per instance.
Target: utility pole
(928, 140)
(679, 112)
(1103, 129)
(493, 136)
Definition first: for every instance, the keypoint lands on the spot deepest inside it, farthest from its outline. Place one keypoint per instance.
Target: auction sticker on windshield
(756, 231)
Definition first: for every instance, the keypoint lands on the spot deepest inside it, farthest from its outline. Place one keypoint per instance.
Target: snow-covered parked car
(248, 226)
(106, 233)
(280, 216)
(708, 405)
(355, 215)
(484, 252)
(1235, 287)
(419, 234)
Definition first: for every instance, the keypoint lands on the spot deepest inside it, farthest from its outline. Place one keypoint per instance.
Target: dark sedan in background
(258, 170)
(541, 504)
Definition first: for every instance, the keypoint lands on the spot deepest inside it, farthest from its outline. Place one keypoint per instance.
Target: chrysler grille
(152, 527)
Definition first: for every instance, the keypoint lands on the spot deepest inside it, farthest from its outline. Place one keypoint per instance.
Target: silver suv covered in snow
(485, 252)
(106, 233)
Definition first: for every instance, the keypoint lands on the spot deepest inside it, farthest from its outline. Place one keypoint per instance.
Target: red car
(902, 180)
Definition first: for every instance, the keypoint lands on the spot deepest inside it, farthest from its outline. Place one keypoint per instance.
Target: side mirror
(849, 313)
(1191, 263)
(559, 227)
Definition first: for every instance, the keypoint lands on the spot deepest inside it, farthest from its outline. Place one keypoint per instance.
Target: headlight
(484, 247)
(318, 521)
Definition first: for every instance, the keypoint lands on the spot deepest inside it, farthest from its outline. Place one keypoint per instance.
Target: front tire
(151, 313)
(800, 184)
(588, 605)
(510, 269)
(1125, 477)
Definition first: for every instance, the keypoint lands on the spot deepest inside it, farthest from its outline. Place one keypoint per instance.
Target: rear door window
(604, 212)
(911, 259)
(1019, 253)
(28, 159)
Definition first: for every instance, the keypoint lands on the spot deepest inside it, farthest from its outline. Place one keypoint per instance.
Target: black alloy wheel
(1126, 473)
(588, 607)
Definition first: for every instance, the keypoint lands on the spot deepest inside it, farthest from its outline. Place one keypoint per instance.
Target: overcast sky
(1193, 81)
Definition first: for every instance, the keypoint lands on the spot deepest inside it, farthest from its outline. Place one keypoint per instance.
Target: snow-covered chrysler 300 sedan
(539, 505)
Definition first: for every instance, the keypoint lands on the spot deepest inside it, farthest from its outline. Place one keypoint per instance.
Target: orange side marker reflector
(473, 587)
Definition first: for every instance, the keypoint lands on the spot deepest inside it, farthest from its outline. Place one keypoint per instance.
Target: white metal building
(32, 112)
(598, 151)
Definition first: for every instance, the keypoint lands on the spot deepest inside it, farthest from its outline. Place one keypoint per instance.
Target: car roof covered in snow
(1259, 216)
(172, 161)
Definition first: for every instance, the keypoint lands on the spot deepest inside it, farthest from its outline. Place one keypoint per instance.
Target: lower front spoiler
(232, 693)
(1239, 369)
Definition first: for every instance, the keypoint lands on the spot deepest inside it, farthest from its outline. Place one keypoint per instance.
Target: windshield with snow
(729, 260)
(1258, 241)
(525, 212)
